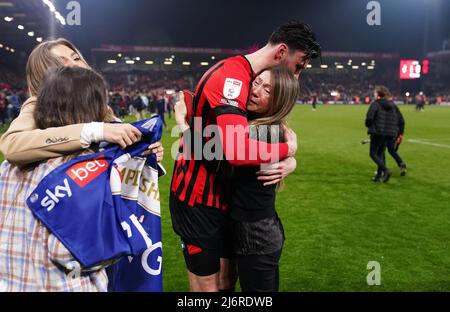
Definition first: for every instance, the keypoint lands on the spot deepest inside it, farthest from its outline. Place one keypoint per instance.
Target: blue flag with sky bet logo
(105, 206)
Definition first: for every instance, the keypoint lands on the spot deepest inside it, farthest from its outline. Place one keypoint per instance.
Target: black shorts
(205, 235)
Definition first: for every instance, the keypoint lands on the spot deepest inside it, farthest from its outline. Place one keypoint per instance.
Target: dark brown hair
(70, 95)
(383, 92)
(298, 36)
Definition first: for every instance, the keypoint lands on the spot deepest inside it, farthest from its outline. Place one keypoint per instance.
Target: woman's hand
(157, 149)
(181, 113)
(122, 134)
(291, 139)
(277, 172)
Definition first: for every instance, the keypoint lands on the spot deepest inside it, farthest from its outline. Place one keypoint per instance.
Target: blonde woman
(24, 144)
(257, 231)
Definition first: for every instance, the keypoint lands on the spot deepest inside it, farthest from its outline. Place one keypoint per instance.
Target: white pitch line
(428, 143)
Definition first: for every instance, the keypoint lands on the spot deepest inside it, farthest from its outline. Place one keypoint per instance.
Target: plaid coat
(31, 258)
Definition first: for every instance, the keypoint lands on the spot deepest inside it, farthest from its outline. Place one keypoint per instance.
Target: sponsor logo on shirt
(232, 88)
(85, 172)
(53, 197)
(229, 102)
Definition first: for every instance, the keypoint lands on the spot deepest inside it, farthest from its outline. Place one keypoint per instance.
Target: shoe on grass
(387, 175)
(403, 170)
(376, 178)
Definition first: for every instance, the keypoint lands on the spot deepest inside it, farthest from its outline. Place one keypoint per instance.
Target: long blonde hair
(283, 96)
(42, 59)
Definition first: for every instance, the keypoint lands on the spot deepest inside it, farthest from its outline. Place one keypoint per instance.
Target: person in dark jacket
(314, 102)
(138, 105)
(393, 145)
(161, 108)
(382, 123)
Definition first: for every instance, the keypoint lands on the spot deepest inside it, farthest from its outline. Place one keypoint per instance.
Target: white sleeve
(92, 133)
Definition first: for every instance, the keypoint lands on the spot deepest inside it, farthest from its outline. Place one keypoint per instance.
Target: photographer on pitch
(383, 127)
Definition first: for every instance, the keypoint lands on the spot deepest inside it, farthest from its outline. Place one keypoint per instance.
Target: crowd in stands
(346, 85)
(156, 91)
(437, 83)
(152, 92)
(140, 102)
(152, 80)
(12, 95)
(11, 101)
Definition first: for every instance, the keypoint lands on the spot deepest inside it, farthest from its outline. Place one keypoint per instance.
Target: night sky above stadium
(340, 24)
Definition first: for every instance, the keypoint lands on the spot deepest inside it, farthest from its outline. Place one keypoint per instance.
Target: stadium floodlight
(138, 58)
(129, 62)
(334, 93)
(149, 62)
(324, 66)
(213, 57)
(186, 63)
(21, 27)
(167, 63)
(309, 66)
(370, 67)
(39, 39)
(204, 63)
(1, 46)
(31, 33)
(12, 50)
(172, 57)
(407, 94)
(7, 48)
(339, 66)
(363, 64)
(355, 67)
(119, 55)
(8, 19)
(112, 61)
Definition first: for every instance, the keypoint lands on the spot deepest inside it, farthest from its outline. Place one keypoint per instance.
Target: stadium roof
(160, 50)
(231, 23)
(439, 55)
(23, 24)
(153, 55)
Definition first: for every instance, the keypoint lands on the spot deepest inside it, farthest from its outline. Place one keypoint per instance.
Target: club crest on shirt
(232, 88)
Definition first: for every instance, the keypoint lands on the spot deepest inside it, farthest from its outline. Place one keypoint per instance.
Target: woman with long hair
(24, 144)
(257, 231)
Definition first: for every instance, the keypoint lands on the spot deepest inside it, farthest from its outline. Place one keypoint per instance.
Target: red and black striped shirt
(220, 99)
